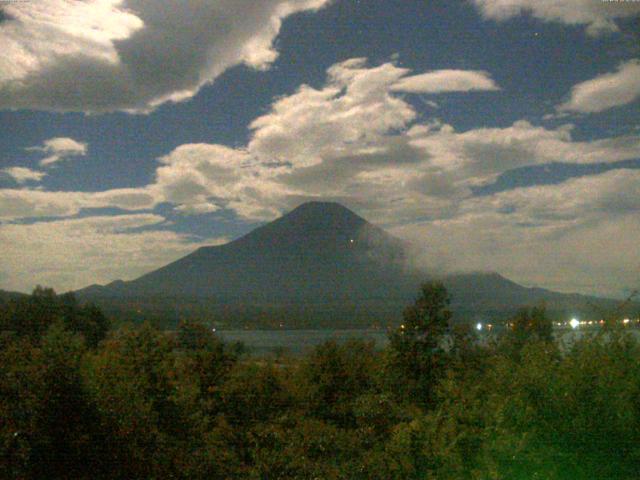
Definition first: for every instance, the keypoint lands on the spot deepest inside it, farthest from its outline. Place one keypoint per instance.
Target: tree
(417, 351)
(48, 427)
(527, 326)
(334, 376)
(206, 360)
(132, 383)
(31, 316)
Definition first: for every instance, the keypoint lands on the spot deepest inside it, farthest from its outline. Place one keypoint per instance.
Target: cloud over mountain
(357, 138)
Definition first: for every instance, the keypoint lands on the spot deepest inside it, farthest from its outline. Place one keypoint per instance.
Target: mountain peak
(311, 223)
(320, 264)
(323, 209)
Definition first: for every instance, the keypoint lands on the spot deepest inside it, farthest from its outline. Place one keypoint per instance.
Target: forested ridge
(81, 400)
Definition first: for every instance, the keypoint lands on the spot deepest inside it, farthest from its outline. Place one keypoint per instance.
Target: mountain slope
(319, 252)
(320, 261)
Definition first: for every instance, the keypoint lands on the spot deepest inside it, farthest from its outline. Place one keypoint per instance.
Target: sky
(493, 135)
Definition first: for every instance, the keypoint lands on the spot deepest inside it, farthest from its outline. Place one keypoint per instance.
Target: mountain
(6, 296)
(319, 265)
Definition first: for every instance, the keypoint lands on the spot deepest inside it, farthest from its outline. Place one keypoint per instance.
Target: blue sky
(494, 135)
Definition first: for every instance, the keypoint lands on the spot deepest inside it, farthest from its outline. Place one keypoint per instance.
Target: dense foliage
(79, 402)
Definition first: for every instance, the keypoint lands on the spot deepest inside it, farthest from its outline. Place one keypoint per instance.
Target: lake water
(260, 342)
(297, 341)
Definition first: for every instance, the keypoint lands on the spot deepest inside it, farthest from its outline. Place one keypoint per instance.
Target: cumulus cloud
(480, 154)
(23, 174)
(606, 91)
(355, 141)
(439, 81)
(29, 203)
(59, 148)
(201, 178)
(108, 55)
(578, 235)
(39, 252)
(597, 15)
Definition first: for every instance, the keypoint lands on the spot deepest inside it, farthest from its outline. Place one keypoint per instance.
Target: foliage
(31, 316)
(436, 404)
(528, 325)
(417, 351)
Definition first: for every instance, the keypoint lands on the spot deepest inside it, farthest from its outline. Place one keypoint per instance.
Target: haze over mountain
(320, 261)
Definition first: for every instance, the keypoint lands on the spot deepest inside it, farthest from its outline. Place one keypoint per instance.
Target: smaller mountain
(6, 295)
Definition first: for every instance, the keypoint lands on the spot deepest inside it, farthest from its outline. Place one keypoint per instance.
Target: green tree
(87, 320)
(48, 423)
(132, 382)
(527, 326)
(417, 353)
(333, 376)
(30, 316)
(207, 361)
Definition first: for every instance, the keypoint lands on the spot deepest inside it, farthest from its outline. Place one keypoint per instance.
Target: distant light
(213, 329)
(574, 323)
(402, 326)
(478, 326)
(625, 321)
(351, 240)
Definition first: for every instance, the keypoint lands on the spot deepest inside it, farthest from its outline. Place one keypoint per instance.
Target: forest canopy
(81, 400)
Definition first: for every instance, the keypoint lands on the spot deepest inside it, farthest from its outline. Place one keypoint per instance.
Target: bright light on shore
(478, 326)
(574, 323)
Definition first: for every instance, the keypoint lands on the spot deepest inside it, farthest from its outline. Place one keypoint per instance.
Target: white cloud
(354, 141)
(350, 114)
(28, 203)
(59, 148)
(480, 154)
(598, 16)
(23, 174)
(39, 34)
(71, 254)
(606, 91)
(201, 178)
(578, 235)
(108, 55)
(439, 81)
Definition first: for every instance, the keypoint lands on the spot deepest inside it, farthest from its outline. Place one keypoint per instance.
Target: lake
(297, 341)
(260, 342)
